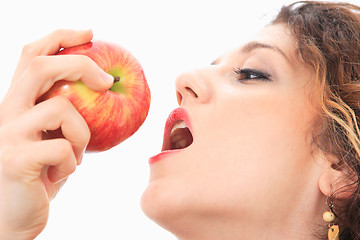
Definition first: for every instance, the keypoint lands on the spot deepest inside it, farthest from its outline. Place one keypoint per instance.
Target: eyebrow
(255, 45)
(247, 48)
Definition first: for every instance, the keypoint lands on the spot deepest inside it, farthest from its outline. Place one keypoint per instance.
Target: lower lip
(162, 155)
(177, 114)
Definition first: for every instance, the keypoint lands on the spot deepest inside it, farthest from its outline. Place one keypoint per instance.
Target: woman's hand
(33, 163)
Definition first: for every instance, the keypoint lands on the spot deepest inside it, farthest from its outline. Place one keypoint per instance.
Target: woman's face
(251, 118)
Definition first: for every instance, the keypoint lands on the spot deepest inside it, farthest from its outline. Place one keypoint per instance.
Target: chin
(158, 205)
(186, 216)
(167, 208)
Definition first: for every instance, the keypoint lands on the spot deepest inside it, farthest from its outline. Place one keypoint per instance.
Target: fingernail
(107, 77)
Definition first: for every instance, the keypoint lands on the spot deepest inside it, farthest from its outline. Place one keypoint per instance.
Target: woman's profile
(265, 143)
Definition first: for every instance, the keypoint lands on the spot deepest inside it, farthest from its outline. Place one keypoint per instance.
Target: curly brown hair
(328, 36)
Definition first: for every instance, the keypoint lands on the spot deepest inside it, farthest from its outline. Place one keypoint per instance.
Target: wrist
(5, 234)
(14, 237)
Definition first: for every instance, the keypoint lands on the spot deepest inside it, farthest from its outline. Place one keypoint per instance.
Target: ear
(337, 179)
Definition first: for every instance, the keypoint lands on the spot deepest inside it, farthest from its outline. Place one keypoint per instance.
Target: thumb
(107, 81)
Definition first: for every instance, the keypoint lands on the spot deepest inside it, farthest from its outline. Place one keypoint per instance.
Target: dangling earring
(329, 216)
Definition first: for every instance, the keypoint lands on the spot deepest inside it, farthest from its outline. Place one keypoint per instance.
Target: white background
(101, 200)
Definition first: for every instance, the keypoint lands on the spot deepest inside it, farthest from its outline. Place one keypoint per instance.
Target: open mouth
(177, 133)
(180, 136)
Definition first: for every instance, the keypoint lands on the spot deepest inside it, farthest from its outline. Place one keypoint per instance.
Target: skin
(261, 179)
(28, 181)
(262, 182)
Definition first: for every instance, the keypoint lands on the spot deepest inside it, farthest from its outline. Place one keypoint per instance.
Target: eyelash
(247, 74)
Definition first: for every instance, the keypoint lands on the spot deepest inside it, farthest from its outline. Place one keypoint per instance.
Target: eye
(247, 74)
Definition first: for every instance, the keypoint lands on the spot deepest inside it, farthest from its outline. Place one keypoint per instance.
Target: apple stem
(116, 79)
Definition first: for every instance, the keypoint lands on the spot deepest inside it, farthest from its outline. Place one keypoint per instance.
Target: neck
(229, 230)
(303, 221)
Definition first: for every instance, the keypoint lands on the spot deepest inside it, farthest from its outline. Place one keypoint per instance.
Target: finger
(55, 113)
(45, 70)
(59, 156)
(50, 45)
(39, 155)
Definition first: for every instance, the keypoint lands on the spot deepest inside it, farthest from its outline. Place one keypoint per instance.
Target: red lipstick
(176, 116)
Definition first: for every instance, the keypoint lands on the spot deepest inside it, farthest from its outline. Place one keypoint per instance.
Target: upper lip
(177, 115)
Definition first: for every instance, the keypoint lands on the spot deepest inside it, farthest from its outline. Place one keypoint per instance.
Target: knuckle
(37, 64)
(28, 50)
(32, 49)
(72, 166)
(61, 104)
(68, 157)
(85, 135)
(85, 62)
(57, 106)
(65, 149)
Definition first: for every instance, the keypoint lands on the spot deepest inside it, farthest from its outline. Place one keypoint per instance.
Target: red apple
(115, 114)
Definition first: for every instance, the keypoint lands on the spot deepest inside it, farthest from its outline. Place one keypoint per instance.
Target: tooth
(180, 124)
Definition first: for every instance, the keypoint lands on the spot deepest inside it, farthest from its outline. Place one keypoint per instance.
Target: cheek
(259, 143)
(265, 124)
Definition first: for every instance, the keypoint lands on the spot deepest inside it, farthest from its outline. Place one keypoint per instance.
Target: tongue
(181, 138)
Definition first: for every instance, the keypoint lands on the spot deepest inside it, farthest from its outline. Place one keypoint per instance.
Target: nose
(194, 86)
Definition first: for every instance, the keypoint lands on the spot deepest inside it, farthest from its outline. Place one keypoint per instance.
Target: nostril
(191, 92)
(179, 97)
